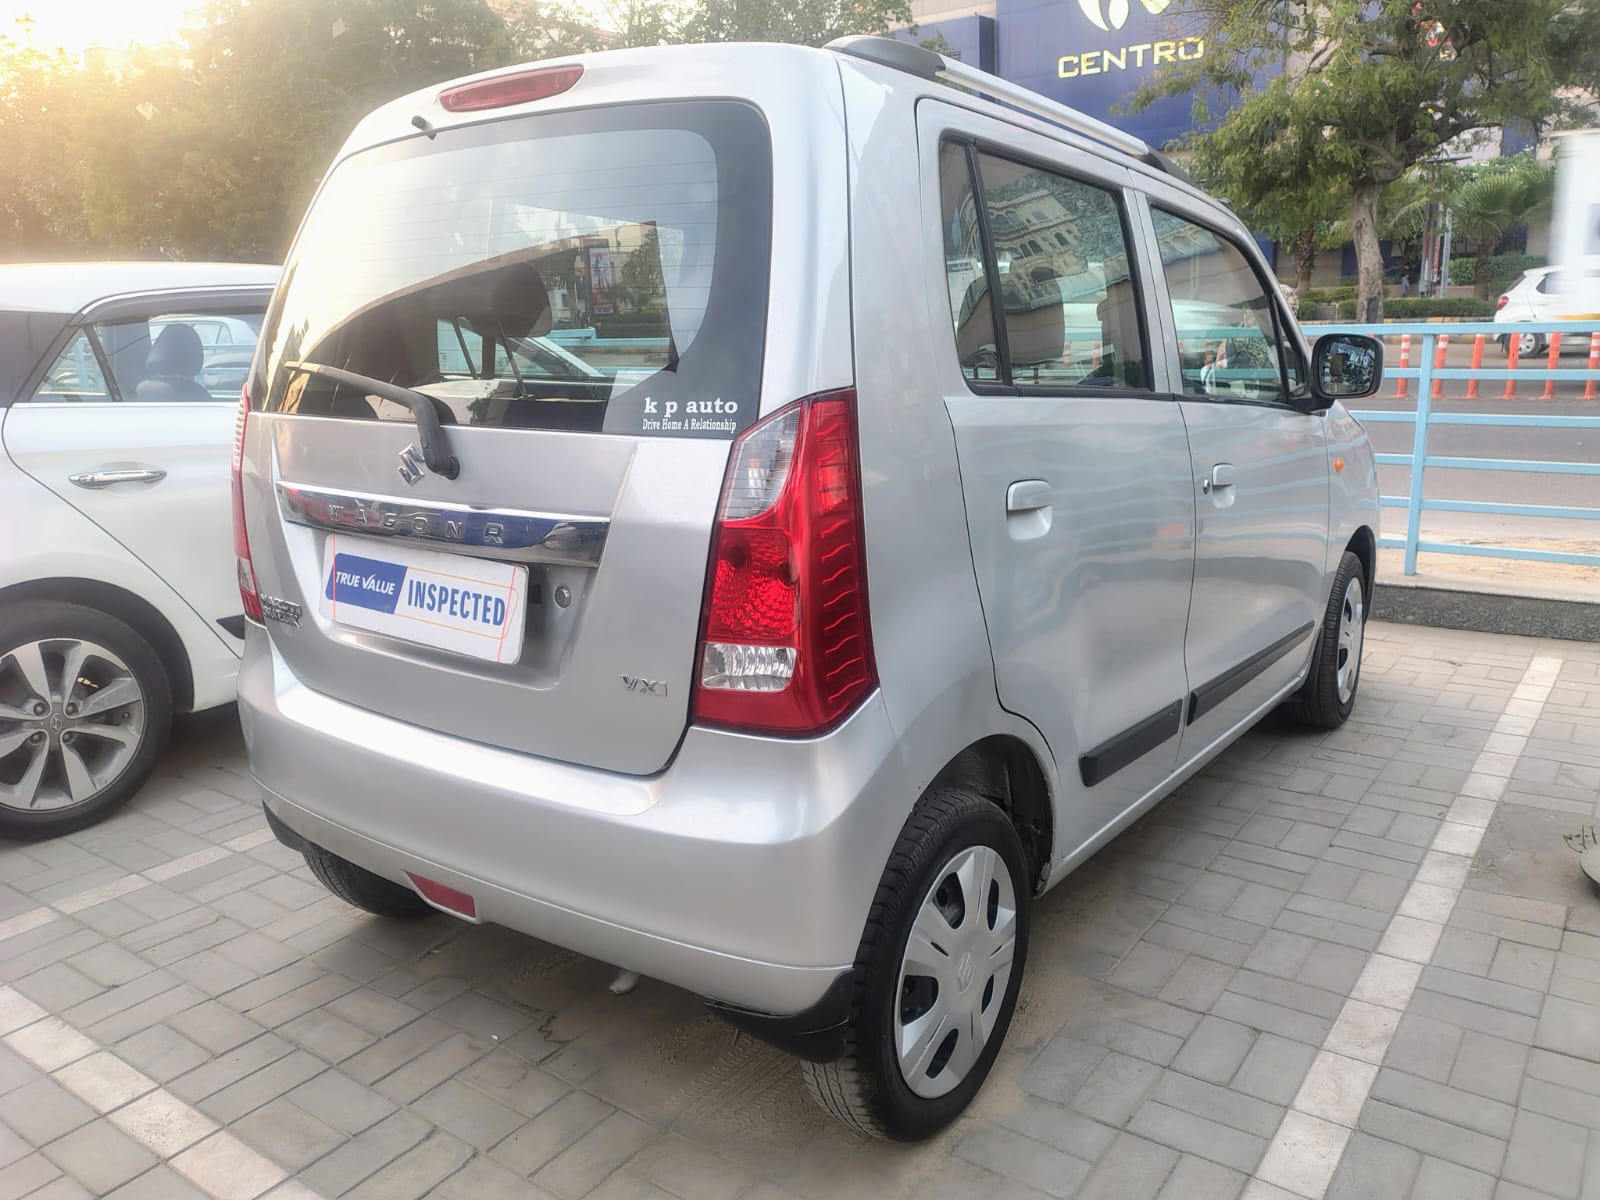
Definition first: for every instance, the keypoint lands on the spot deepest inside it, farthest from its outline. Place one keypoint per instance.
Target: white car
(1535, 297)
(119, 383)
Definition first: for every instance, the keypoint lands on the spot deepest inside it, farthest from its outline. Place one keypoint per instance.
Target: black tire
(1318, 704)
(360, 887)
(865, 1088)
(45, 622)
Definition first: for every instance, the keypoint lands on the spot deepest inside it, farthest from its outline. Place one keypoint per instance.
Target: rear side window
(1054, 249)
(162, 359)
(603, 271)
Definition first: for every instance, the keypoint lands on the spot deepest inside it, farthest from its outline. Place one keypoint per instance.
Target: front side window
(1228, 342)
(603, 271)
(1071, 312)
(167, 358)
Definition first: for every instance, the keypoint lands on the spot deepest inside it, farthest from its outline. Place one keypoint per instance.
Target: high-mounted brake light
(241, 539)
(786, 645)
(520, 88)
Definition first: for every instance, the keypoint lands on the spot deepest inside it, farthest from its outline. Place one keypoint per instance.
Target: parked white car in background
(1535, 297)
(118, 388)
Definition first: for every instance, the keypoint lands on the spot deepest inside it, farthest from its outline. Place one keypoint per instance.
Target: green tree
(1367, 89)
(806, 22)
(1490, 201)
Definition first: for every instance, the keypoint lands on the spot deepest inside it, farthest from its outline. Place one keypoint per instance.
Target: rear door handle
(103, 479)
(1028, 495)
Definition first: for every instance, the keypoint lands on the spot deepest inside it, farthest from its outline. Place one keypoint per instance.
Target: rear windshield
(599, 271)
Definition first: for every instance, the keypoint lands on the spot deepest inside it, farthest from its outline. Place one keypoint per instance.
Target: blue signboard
(1095, 54)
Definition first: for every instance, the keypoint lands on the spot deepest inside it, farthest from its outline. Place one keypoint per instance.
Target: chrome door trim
(508, 534)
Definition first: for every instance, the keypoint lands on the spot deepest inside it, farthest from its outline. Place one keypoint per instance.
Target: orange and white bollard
(1438, 364)
(1591, 390)
(1405, 361)
(1477, 365)
(1095, 357)
(1513, 353)
(1554, 364)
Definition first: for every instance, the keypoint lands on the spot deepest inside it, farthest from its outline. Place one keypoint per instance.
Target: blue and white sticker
(470, 606)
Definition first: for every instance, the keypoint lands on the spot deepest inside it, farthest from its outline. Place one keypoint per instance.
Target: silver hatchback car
(760, 516)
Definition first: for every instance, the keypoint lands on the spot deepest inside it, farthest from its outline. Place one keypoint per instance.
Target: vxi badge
(1115, 14)
(1110, 16)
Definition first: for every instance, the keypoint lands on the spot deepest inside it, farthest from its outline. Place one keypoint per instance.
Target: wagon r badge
(412, 464)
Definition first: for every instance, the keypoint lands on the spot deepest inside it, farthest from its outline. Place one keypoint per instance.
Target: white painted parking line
(215, 1161)
(1304, 1153)
(33, 918)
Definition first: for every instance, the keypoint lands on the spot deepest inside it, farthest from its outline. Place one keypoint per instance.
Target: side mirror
(1346, 366)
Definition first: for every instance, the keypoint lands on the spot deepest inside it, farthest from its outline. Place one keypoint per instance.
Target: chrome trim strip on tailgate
(508, 534)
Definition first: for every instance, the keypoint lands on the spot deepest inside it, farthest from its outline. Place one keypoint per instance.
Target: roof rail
(928, 64)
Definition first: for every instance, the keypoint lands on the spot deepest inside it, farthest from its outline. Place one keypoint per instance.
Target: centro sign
(1110, 16)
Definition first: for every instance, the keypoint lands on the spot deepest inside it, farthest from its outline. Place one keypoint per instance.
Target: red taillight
(786, 645)
(503, 90)
(241, 540)
(1502, 302)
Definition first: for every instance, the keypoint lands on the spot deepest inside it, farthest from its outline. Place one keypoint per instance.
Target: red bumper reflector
(445, 897)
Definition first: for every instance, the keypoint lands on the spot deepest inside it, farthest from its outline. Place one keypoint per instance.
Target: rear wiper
(429, 431)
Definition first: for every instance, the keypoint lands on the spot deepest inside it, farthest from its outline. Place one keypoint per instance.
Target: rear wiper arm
(429, 431)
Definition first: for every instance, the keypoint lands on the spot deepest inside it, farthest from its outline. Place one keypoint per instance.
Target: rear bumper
(744, 872)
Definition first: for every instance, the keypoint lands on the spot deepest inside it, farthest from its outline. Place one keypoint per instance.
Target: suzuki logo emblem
(1114, 14)
(412, 465)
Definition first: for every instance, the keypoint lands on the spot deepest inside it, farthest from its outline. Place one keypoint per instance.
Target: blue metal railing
(1425, 373)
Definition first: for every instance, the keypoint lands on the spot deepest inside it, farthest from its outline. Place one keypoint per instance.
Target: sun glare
(79, 25)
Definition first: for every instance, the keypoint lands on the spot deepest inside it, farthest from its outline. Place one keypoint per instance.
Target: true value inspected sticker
(469, 606)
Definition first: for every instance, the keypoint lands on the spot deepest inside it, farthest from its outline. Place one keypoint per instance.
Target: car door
(122, 426)
(1260, 475)
(1074, 470)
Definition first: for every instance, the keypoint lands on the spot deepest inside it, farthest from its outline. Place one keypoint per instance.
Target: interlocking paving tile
(1218, 970)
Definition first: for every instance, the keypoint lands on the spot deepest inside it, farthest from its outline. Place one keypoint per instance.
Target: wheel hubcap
(71, 720)
(1352, 627)
(955, 970)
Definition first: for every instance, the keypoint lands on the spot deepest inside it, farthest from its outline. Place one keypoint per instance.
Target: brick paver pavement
(1360, 964)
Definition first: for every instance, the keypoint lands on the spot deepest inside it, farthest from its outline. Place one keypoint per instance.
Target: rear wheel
(937, 974)
(360, 887)
(1329, 694)
(85, 709)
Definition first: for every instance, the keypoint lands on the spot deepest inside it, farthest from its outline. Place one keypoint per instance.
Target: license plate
(464, 605)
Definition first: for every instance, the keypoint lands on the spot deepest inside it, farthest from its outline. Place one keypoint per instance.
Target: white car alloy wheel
(954, 972)
(72, 715)
(1529, 344)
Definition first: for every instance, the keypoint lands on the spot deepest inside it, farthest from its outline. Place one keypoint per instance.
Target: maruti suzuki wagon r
(760, 516)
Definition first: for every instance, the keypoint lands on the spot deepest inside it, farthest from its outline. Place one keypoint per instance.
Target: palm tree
(1493, 200)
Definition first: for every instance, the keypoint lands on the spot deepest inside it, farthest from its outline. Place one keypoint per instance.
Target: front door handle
(103, 479)
(1028, 495)
(1221, 477)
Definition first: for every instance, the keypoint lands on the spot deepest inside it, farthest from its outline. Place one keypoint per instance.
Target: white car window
(170, 358)
(75, 376)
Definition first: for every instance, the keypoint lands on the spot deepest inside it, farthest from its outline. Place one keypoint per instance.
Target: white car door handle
(1221, 477)
(101, 479)
(1028, 495)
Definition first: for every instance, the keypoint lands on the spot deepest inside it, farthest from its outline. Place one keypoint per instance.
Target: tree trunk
(1369, 256)
(1480, 270)
(1305, 261)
